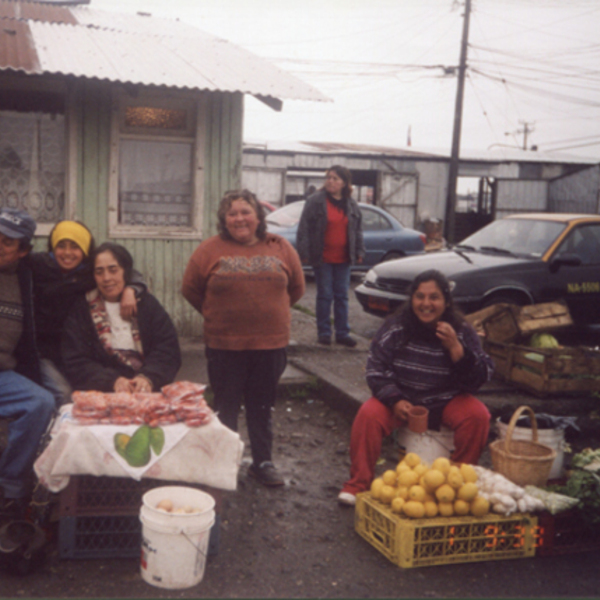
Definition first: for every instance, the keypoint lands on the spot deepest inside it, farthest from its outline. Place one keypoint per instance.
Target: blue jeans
(54, 381)
(333, 281)
(30, 409)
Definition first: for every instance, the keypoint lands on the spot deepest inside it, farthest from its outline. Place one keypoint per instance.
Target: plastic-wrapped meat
(201, 417)
(156, 409)
(154, 403)
(163, 420)
(179, 402)
(193, 412)
(92, 403)
(121, 401)
(180, 390)
(125, 408)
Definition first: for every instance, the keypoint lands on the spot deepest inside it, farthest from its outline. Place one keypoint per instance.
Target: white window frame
(197, 136)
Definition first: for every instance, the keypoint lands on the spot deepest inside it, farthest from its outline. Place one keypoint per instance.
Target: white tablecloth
(209, 455)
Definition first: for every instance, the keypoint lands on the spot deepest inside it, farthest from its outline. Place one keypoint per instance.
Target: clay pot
(417, 419)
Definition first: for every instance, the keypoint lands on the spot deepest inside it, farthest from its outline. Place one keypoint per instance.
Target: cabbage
(543, 340)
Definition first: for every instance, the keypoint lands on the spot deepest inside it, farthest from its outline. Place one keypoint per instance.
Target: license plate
(381, 304)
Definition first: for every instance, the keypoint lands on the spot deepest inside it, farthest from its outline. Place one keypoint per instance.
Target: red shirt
(335, 249)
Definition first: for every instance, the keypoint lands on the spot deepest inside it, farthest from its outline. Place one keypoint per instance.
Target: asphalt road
(361, 322)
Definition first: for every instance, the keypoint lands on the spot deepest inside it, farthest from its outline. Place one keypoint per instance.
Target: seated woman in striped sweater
(425, 355)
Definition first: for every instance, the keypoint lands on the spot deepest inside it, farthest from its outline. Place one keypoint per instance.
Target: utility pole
(526, 129)
(458, 106)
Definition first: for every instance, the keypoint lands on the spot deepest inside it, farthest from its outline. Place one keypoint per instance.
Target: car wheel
(392, 256)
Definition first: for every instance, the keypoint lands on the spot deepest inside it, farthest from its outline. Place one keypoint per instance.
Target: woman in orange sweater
(243, 282)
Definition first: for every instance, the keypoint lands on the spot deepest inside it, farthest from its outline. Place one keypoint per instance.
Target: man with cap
(28, 406)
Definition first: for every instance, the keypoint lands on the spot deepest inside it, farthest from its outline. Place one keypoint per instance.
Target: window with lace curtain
(32, 163)
(156, 187)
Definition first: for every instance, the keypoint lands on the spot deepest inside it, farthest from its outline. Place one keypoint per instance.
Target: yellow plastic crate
(444, 540)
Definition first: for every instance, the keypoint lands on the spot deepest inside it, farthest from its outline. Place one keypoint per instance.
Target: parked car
(521, 259)
(385, 237)
(268, 207)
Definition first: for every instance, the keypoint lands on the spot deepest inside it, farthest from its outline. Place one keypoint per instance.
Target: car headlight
(370, 277)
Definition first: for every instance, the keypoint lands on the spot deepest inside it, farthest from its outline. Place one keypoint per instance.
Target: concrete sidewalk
(340, 372)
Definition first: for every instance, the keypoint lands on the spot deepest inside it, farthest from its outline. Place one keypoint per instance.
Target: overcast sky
(533, 64)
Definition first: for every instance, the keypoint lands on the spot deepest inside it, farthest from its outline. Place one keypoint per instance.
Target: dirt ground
(296, 542)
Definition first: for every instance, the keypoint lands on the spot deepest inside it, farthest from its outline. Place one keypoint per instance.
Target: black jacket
(54, 294)
(26, 352)
(310, 239)
(89, 367)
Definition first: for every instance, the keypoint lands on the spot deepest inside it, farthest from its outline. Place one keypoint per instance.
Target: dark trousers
(249, 377)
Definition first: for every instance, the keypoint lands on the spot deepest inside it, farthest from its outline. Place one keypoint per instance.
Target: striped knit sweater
(421, 370)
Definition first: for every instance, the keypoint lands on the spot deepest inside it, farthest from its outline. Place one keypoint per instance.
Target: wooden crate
(510, 323)
(547, 371)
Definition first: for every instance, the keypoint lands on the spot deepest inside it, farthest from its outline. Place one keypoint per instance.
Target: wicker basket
(523, 462)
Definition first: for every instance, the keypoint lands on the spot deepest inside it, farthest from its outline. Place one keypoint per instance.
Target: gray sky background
(381, 61)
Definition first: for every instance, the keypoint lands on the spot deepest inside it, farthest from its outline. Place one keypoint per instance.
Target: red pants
(464, 414)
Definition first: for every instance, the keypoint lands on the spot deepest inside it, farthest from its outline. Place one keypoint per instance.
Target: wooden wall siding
(161, 261)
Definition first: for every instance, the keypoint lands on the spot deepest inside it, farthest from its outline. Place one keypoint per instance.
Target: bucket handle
(438, 441)
(187, 537)
(513, 422)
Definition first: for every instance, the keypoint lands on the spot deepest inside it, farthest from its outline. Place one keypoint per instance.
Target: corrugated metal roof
(488, 156)
(337, 148)
(40, 39)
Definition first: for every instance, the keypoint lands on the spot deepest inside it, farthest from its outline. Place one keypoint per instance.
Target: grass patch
(304, 310)
(302, 391)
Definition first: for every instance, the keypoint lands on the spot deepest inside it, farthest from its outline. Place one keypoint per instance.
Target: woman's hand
(122, 384)
(401, 409)
(446, 334)
(128, 304)
(141, 384)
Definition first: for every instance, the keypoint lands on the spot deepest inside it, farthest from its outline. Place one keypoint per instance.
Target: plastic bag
(554, 503)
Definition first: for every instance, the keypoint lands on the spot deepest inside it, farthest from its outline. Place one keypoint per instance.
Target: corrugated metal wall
(577, 193)
(514, 196)
(161, 261)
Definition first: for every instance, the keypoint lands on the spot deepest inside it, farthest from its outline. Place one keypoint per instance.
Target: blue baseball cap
(16, 224)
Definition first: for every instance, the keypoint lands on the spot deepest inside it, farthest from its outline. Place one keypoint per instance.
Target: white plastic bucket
(429, 445)
(174, 545)
(554, 438)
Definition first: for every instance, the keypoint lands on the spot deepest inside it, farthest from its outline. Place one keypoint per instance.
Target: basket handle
(513, 422)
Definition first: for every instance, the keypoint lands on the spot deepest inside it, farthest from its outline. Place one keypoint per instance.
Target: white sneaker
(347, 498)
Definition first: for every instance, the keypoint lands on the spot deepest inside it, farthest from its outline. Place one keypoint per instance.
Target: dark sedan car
(385, 237)
(522, 259)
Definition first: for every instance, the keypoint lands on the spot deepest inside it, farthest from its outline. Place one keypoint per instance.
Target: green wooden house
(129, 123)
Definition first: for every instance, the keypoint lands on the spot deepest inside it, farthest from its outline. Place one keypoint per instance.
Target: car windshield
(523, 237)
(286, 216)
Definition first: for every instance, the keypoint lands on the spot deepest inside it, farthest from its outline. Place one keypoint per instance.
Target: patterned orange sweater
(243, 292)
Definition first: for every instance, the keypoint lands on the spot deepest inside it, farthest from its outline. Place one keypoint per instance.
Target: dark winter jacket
(88, 366)
(310, 239)
(421, 370)
(54, 294)
(26, 352)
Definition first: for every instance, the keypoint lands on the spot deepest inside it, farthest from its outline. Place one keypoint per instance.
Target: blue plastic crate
(114, 536)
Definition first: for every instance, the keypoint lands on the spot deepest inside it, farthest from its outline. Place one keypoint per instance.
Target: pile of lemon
(417, 490)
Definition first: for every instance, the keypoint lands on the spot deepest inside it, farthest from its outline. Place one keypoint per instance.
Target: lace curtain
(155, 183)
(32, 164)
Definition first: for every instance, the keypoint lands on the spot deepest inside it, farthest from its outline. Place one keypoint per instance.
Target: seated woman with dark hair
(102, 351)
(429, 356)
